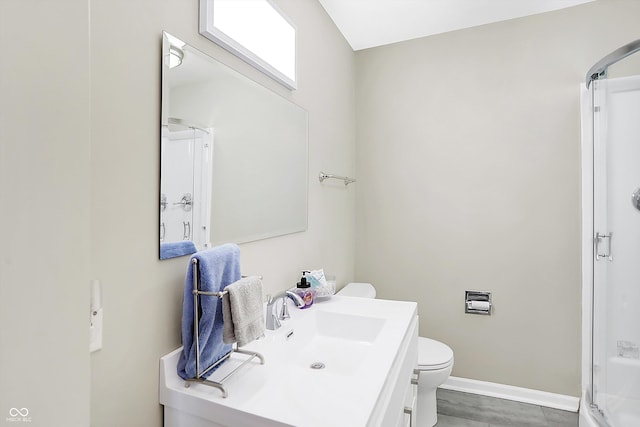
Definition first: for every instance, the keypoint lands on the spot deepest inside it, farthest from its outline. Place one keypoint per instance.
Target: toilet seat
(433, 355)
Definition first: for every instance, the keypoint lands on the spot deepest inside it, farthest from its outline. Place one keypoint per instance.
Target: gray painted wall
(469, 179)
(44, 213)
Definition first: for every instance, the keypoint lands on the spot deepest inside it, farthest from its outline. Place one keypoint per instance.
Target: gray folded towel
(242, 311)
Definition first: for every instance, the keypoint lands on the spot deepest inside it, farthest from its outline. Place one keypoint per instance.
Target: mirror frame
(211, 32)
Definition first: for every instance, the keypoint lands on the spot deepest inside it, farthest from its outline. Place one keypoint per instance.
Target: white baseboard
(518, 394)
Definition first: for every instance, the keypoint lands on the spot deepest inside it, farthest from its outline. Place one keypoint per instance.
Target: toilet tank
(362, 290)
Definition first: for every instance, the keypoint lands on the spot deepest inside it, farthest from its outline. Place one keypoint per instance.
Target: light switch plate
(95, 331)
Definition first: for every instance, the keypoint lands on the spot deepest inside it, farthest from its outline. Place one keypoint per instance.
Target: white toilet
(435, 362)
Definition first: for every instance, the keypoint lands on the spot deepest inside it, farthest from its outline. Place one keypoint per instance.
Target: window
(254, 30)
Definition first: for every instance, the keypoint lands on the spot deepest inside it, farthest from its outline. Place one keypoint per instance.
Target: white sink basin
(333, 342)
(329, 365)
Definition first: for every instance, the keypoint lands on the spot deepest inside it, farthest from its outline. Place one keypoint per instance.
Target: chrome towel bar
(346, 179)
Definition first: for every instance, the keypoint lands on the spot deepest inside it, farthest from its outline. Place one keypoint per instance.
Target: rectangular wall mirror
(234, 156)
(256, 31)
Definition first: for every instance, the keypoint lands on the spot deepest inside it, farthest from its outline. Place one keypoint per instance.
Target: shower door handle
(598, 240)
(186, 230)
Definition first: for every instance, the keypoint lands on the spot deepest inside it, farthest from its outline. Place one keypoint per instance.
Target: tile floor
(457, 409)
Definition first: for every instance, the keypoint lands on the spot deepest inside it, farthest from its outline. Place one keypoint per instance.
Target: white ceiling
(370, 23)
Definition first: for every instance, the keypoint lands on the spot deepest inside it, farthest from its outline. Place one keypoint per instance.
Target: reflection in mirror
(185, 191)
(233, 156)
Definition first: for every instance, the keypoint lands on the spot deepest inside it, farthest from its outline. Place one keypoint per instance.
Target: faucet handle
(272, 322)
(284, 312)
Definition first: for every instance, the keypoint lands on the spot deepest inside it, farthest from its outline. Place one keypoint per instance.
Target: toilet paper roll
(479, 305)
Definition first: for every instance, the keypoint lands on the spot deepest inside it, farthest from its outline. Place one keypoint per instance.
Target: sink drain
(317, 365)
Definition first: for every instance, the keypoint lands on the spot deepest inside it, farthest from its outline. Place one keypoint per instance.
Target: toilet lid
(433, 354)
(364, 290)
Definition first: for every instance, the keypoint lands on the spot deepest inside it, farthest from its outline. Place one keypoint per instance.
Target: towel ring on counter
(346, 179)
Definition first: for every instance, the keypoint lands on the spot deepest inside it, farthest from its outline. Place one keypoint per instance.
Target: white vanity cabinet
(410, 403)
(368, 349)
(400, 391)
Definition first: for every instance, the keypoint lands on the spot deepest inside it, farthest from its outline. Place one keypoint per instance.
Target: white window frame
(213, 33)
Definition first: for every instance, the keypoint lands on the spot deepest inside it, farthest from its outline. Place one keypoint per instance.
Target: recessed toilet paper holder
(477, 302)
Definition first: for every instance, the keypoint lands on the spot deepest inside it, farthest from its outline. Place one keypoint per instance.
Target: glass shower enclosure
(612, 397)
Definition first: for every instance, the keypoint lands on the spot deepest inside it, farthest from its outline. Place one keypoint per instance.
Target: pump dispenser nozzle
(303, 281)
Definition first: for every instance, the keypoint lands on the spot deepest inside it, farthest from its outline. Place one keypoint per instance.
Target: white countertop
(357, 339)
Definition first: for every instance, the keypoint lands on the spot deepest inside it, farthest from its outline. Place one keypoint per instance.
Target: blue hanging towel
(217, 268)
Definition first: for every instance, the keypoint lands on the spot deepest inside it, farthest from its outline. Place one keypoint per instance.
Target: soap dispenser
(305, 291)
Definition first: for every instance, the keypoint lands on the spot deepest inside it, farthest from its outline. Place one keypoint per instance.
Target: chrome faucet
(273, 320)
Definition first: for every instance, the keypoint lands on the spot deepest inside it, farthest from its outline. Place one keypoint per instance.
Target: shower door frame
(587, 151)
(595, 163)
